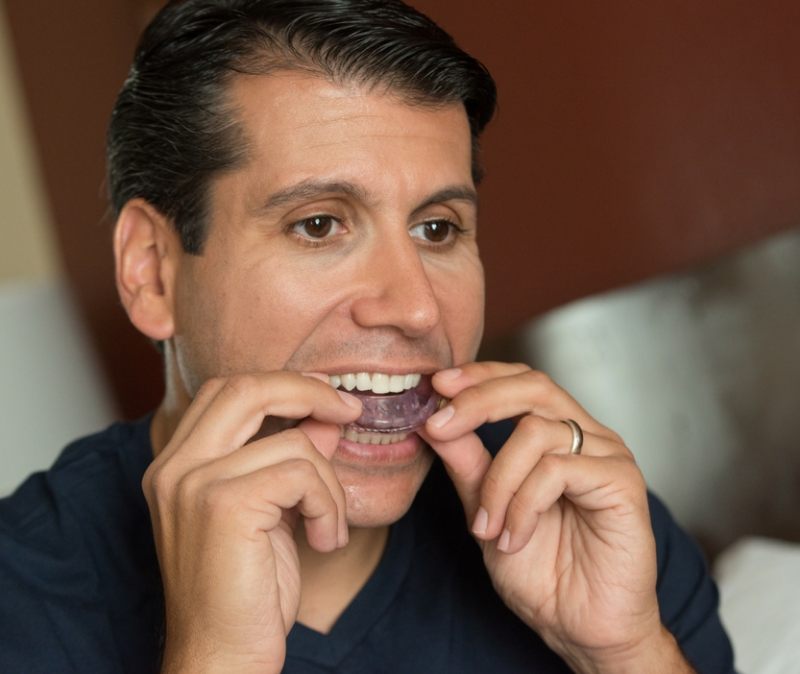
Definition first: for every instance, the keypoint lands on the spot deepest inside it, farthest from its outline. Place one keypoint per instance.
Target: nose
(396, 291)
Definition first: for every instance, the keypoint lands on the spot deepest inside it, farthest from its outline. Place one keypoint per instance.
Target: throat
(330, 581)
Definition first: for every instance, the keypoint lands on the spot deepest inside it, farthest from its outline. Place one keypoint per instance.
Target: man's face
(346, 244)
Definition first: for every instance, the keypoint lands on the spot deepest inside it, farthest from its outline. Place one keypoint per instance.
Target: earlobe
(145, 251)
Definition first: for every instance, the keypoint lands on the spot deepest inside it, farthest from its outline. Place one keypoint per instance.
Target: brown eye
(436, 231)
(317, 227)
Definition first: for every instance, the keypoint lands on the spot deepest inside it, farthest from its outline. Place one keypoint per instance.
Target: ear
(146, 252)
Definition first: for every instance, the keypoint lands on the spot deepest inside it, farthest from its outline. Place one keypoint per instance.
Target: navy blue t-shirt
(80, 589)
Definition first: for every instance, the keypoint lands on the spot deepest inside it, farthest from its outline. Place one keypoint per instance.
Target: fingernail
(349, 400)
(448, 375)
(481, 522)
(444, 415)
(505, 540)
(344, 535)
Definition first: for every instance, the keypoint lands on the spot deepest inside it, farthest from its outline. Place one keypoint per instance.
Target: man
(294, 184)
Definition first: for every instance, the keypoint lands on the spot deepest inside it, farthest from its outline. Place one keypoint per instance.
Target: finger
(269, 492)
(242, 403)
(324, 437)
(475, 402)
(533, 438)
(595, 485)
(289, 445)
(205, 395)
(452, 381)
(466, 462)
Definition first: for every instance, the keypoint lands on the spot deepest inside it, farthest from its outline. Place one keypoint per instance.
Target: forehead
(303, 124)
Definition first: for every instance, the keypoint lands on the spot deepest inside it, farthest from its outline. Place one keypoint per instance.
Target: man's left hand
(566, 537)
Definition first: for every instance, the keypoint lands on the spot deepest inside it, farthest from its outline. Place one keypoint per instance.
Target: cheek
(264, 325)
(462, 304)
(263, 315)
(238, 322)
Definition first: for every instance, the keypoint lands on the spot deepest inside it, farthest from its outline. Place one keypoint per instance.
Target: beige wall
(27, 247)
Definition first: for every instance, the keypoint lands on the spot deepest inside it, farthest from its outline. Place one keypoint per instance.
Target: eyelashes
(324, 229)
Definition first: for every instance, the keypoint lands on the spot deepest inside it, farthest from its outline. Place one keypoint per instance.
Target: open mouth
(393, 405)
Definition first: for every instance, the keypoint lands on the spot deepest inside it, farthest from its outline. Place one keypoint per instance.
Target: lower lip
(397, 454)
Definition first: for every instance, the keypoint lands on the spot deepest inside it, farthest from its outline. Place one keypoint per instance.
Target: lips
(386, 416)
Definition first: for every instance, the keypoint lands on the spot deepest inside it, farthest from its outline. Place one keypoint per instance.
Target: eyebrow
(452, 193)
(311, 189)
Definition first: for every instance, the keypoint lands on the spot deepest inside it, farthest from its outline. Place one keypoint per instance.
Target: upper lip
(383, 369)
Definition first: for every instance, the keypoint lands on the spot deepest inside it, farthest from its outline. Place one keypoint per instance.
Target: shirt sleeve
(688, 597)
(50, 620)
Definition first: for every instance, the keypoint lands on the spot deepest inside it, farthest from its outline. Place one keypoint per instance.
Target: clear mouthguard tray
(397, 412)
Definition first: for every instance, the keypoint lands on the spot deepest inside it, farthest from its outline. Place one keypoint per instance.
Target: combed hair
(172, 129)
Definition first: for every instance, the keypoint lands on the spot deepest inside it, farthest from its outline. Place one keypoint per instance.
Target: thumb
(466, 461)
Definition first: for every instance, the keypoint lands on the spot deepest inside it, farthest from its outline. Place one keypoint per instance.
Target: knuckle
(300, 444)
(539, 379)
(531, 424)
(187, 486)
(209, 386)
(634, 473)
(550, 465)
(627, 453)
(217, 498)
(617, 438)
(150, 479)
(241, 385)
(300, 470)
(158, 482)
(632, 480)
(296, 438)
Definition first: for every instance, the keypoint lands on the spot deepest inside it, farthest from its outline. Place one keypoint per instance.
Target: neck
(331, 580)
(173, 406)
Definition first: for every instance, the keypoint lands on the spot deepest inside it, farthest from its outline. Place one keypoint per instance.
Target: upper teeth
(375, 382)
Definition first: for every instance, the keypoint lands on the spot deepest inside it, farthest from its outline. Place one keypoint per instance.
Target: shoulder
(53, 530)
(87, 469)
(688, 597)
(43, 524)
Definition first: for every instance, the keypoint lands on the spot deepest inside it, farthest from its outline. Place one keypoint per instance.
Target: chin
(380, 496)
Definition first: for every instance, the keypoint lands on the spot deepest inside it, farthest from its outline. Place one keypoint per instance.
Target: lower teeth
(372, 438)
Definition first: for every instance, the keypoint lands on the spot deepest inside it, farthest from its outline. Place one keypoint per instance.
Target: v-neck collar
(372, 601)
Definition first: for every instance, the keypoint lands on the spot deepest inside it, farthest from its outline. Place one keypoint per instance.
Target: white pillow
(759, 582)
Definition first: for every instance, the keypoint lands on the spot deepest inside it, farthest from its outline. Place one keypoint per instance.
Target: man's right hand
(224, 508)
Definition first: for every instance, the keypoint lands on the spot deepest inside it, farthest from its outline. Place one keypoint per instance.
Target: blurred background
(640, 229)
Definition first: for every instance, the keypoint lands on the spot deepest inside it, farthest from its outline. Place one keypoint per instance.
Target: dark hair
(172, 129)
